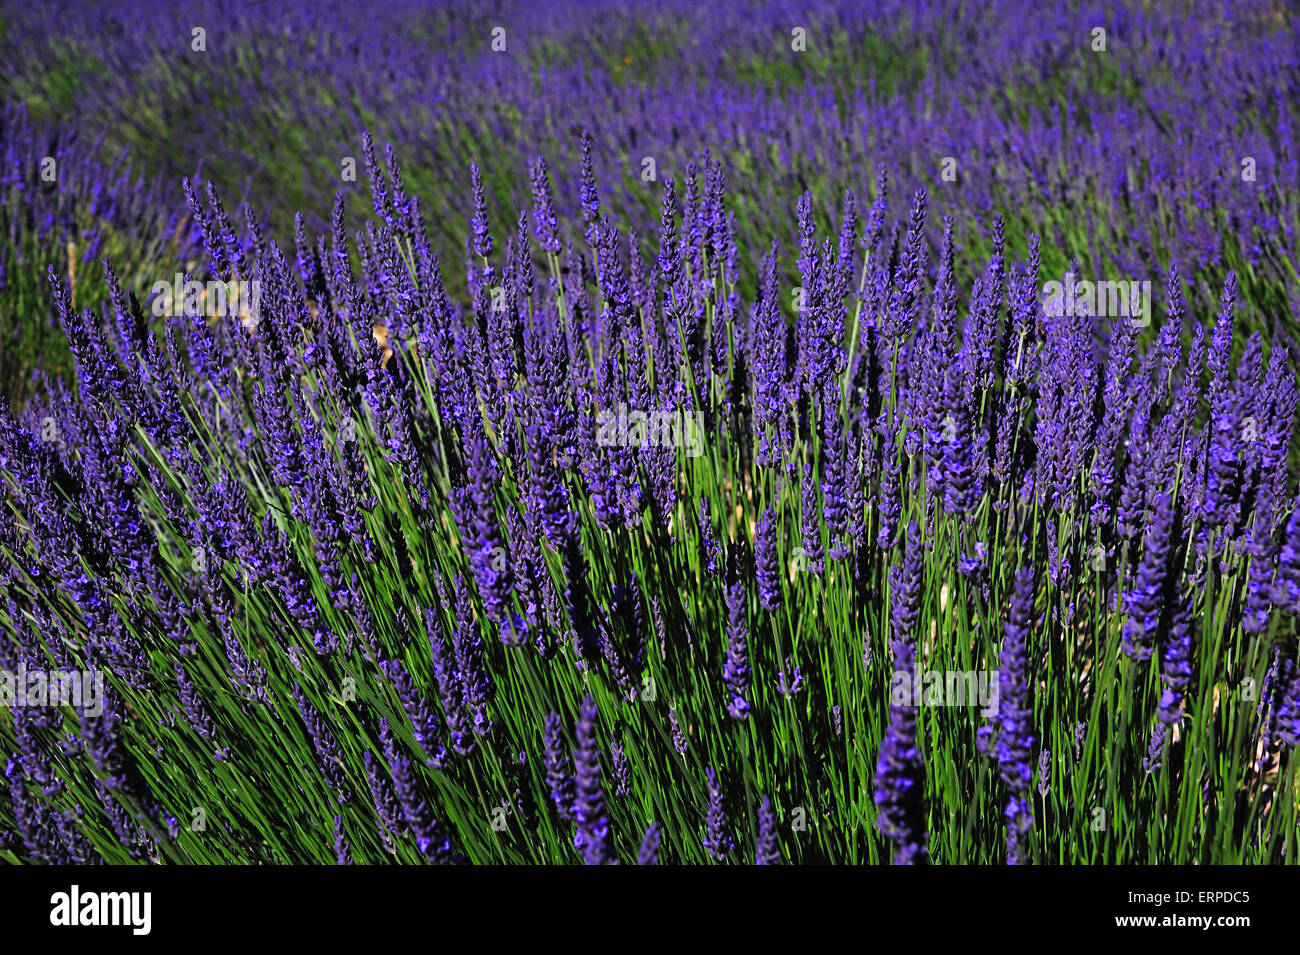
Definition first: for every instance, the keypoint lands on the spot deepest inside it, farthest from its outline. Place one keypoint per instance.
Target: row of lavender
(1126, 136)
(62, 204)
(352, 563)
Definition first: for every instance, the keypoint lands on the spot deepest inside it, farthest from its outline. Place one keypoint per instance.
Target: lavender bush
(598, 537)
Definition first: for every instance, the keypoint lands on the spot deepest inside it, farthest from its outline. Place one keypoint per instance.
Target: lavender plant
(591, 537)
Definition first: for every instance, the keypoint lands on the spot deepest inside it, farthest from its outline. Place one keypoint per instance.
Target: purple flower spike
(556, 761)
(767, 850)
(649, 854)
(1145, 601)
(767, 572)
(735, 671)
(593, 837)
(899, 792)
(717, 840)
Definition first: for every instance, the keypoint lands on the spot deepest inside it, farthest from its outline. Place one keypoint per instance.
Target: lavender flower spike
(736, 672)
(899, 794)
(767, 852)
(649, 854)
(717, 840)
(594, 837)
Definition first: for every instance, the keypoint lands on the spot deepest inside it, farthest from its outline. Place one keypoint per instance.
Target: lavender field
(675, 433)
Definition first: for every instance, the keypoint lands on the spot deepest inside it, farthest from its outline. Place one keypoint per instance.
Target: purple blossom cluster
(391, 478)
